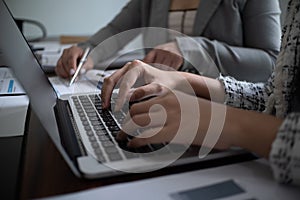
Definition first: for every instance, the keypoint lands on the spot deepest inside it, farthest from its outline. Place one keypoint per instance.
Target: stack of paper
(13, 105)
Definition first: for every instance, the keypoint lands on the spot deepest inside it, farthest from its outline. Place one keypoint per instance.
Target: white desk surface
(255, 177)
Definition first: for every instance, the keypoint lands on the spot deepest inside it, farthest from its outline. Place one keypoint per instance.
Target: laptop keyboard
(102, 126)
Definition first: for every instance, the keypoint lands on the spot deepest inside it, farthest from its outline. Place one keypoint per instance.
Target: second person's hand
(167, 54)
(67, 63)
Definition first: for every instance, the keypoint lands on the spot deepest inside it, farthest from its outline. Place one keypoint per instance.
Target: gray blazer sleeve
(128, 18)
(252, 61)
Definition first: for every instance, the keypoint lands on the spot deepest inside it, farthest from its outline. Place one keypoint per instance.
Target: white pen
(81, 62)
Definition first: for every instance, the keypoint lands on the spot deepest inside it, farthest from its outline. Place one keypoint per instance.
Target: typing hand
(147, 80)
(166, 118)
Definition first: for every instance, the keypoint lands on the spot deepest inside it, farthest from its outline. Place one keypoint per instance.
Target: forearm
(254, 131)
(204, 87)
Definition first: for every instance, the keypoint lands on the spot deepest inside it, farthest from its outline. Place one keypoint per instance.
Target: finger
(144, 107)
(65, 59)
(109, 83)
(71, 63)
(129, 79)
(130, 129)
(121, 136)
(150, 57)
(142, 118)
(69, 59)
(150, 136)
(143, 92)
(60, 70)
(132, 125)
(144, 121)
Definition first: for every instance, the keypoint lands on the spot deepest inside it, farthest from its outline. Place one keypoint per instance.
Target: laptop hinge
(68, 130)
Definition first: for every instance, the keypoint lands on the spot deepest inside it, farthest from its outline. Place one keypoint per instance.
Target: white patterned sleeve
(285, 152)
(246, 95)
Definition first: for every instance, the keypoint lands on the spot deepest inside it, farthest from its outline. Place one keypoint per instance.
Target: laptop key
(110, 123)
(97, 128)
(92, 138)
(89, 110)
(83, 119)
(101, 158)
(100, 132)
(104, 138)
(87, 128)
(97, 123)
(108, 143)
(93, 114)
(130, 155)
(111, 150)
(89, 133)
(115, 157)
(79, 110)
(98, 151)
(95, 145)
(114, 128)
(115, 133)
(85, 123)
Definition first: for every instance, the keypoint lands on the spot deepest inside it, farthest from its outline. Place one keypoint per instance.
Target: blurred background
(66, 17)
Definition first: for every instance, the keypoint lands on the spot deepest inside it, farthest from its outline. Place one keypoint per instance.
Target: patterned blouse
(275, 97)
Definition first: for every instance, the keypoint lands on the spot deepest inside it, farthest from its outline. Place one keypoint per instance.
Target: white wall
(73, 17)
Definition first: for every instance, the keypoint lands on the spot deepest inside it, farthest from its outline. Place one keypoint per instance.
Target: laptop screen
(16, 54)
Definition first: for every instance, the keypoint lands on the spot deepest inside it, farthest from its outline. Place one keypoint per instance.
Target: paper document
(8, 84)
(13, 104)
(89, 82)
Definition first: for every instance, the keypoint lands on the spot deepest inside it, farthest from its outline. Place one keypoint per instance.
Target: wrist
(233, 128)
(254, 131)
(184, 83)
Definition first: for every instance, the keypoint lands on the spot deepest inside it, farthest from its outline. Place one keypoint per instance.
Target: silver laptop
(84, 133)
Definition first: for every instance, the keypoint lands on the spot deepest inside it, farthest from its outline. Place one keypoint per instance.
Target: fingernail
(72, 71)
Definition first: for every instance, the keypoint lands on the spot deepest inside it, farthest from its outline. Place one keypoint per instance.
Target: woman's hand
(175, 117)
(166, 54)
(148, 81)
(67, 63)
(178, 117)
